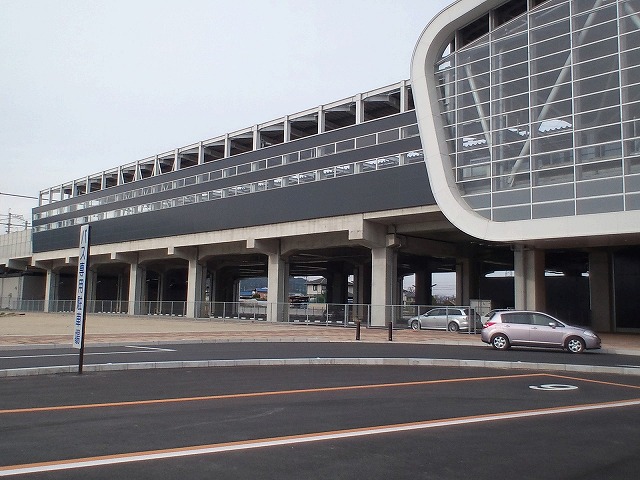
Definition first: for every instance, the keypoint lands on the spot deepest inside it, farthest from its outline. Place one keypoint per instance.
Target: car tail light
(488, 324)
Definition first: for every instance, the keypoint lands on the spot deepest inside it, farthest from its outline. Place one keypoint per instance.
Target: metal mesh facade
(542, 109)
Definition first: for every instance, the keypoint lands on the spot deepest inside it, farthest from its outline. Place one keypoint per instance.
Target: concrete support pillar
(383, 284)
(529, 281)
(162, 277)
(399, 289)
(222, 300)
(601, 298)
(195, 288)
(223, 287)
(361, 292)
(92, 286)
(121, 292)
(424, 292)
(277, 285)
(51, 290)
(236, 289)
(466, 281)
(137, 284)
(212, 286)
(337, 284)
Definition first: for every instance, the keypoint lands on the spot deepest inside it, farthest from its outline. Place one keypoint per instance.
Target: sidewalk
(56, 329)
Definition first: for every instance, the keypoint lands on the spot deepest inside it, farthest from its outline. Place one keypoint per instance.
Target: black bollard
(391, 331)
(358, 330)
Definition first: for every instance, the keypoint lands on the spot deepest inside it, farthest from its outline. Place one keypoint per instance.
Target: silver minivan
(535, 329)
(445, 318)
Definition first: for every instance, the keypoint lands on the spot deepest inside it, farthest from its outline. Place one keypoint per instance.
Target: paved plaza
(36, 328)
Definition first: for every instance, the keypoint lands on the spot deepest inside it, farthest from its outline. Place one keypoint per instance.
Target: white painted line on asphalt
(127, 352)
(107, 460)
(155, 349)
(553, 387)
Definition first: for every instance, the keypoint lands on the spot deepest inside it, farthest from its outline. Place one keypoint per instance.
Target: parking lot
(319, 422)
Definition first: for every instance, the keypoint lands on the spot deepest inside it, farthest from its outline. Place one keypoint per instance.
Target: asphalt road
(38, 357)
(317, 422)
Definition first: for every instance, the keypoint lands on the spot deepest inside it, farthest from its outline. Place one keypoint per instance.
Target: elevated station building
(514, 147)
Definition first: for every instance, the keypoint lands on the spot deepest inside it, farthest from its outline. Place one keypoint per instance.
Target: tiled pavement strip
(35, 328)
(22, 329)
(42, 330)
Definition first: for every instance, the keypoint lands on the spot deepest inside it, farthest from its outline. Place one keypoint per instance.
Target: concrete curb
(426, 343)
(421, 362)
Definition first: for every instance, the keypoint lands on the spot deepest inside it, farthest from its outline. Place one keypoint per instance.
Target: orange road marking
(601, 382)
(259, 394)
(106, 460)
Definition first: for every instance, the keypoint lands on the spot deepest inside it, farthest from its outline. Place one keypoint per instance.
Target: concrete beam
(369, 234)
(98, 259)
(229, 248)
(433, 248)
(71, 261)
(125, 257)
(43, 265)
(268, 246)
(186, 253)
(17, 264)
(291, 245)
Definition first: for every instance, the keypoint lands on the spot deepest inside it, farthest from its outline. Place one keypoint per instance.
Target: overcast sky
(86, 86)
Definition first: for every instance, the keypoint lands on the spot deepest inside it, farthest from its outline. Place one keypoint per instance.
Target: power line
(17, 195)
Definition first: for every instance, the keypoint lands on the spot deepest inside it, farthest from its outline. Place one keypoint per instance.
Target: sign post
(81, 294)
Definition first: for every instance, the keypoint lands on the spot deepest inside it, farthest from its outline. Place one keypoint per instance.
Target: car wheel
(500, 342)
(415, 325)
(575, 345)
(453, 327)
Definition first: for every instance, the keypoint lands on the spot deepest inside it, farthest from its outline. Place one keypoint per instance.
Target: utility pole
(16, 217)
(12, 221)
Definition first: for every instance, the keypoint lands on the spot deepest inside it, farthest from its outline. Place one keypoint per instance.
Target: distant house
(316, 288)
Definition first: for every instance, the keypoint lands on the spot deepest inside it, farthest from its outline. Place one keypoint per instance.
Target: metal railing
(17, 304)
(328, 314)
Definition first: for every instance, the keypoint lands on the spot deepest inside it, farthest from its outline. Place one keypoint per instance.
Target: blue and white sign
(81, 291)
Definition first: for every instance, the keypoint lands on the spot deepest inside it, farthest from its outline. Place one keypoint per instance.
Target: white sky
(88, 85)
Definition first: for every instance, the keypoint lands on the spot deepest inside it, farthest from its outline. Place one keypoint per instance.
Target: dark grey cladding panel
(379, 125)
(393, 188)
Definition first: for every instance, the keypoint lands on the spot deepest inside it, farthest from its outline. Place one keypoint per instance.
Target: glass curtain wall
(542, 109)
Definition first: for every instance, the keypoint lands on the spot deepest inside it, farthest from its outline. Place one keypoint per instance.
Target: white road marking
(553, 387)
(11, 470)
(127, 352)
(155, 349)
